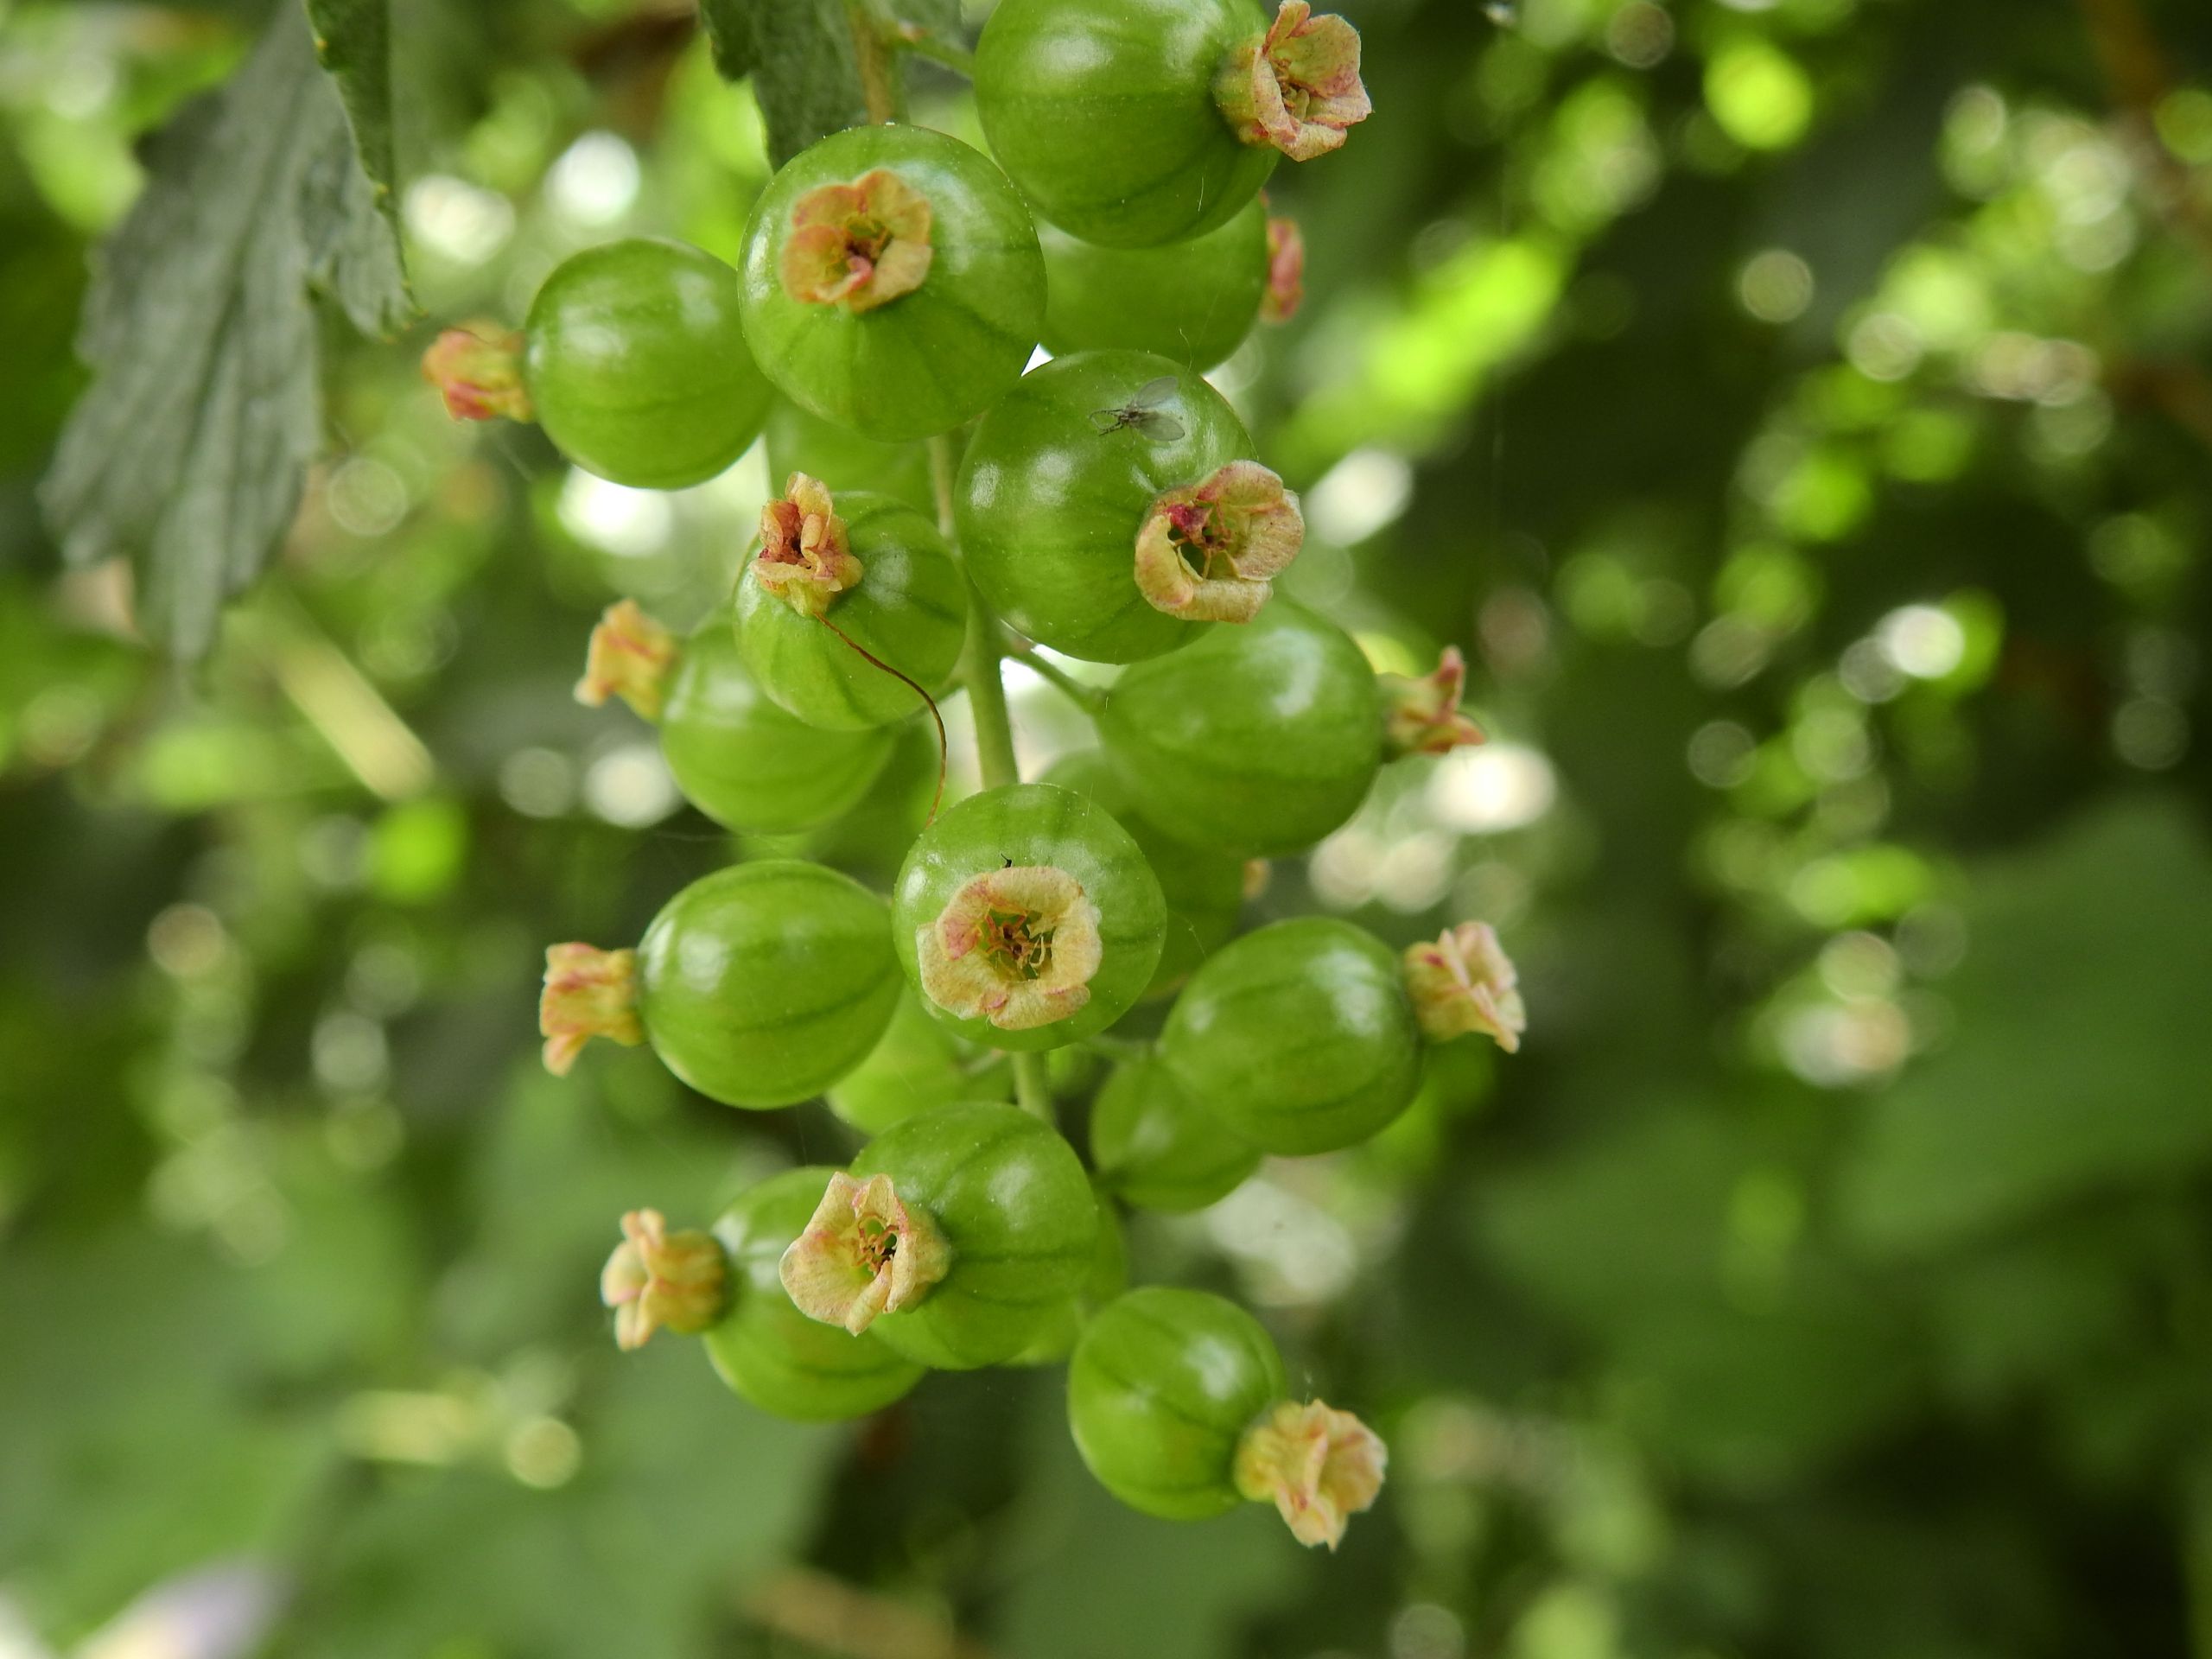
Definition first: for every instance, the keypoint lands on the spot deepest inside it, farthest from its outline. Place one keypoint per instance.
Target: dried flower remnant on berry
(1286, 290)
(864, 1253)
(1017, 947)
(1208, 553)
(657, 1280)
(589, 992)
(1422, 715)
(806, 558)
(859, 245)
(478, 371)
(1464, 984)
(1319, 1467)
(629, 658)
(1297, 86)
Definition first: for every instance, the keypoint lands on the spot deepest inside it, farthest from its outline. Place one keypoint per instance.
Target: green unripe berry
(892, 281)
(1162, 1388)
(956, 1238)
(1299, 1038)
(1028, 917)
(1156, 1149)
(1204, 889)
(1065, 496)
(768, 1351)
(918, 1066)
(1255, 741)
(637, 365)
(760, 985)
(880, 584)
(1106, 115)
(1192, 301)
(1107, 1278)
(799, 440)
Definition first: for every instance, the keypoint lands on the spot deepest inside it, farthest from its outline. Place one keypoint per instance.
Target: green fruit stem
(1085, 697)
(1033, 1089)
(881, 83)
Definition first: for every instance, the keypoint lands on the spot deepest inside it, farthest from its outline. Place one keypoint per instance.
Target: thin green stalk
(881, 83)
(1088, 698)
(949, 53)
(994, 734)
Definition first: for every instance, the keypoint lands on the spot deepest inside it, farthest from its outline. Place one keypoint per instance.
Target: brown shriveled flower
(1319, 1467)
(1423, 715)
(1207, 553)
(859, 245)
(478, 371)
(1286, 290)
(1016, 947)
(1464, 983)
(589, 992)
(1297, 86)
(807, 559)
(863, 1253)
(657, 1280)
(629, 658)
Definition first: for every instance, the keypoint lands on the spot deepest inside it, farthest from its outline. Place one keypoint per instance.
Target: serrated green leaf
(352, 39)
(802, 58)
(188, 451)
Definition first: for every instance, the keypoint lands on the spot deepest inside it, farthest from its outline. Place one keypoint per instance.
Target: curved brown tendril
(944, 748)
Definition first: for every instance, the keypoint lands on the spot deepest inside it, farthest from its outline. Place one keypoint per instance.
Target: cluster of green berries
(893, 286)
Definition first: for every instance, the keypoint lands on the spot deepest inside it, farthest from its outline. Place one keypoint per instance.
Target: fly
(1142, 414)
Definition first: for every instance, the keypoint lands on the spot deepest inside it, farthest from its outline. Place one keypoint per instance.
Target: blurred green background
(1800, 412)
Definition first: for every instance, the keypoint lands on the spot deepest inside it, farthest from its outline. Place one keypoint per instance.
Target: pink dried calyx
(589, 992)
(806, 558)
(1209, 553)
(629, 656)
(478, 371)
(858, 245)
(1464, 984)
(865, 1252)
(657, 1280)
(1421, 717)
(1317, 1466)
(1297, 86)
(1017, 947)
(1286, 290)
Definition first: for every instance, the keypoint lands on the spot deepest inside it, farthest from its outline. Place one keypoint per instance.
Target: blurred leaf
(2082, 1054)
(189, 450)
(800, 54)
(354, 43)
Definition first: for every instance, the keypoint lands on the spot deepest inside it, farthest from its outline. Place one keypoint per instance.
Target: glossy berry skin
(799, 440)
(762, 984)
(637, 365)
(1012, 1201)
(768, 1351)
(1204, 889)
(1107, 1277)
(1299, 1038)
(910, 611)
(746, 763)
(1160, 1388)
(1104, 114)
(928, 360)
(1049, 506)
(1256, 741)
(1194, 302)
(918, 1066)
(1037, 824)
(1156, 1149)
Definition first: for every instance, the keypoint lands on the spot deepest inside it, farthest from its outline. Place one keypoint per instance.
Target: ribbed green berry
(1204, 889)
(799, 440)
(762, 984)
(908, 611)
(637, 365)
(919, 1064)
(1107, 1278)
(1299, 1038)
(1155, 1149)
(1194, 302)
(925, 325)
(1162, 1386)
(1014, 1207)
(768, 1351)
(1255, 741)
